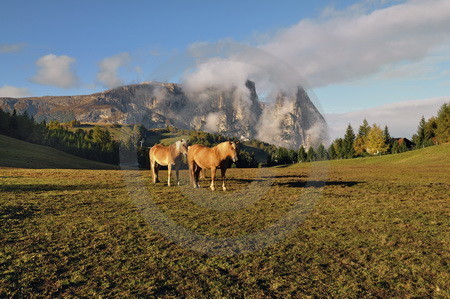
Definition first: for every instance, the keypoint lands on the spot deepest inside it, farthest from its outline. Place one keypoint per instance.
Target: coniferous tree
(332, 152)
(311, 155)
(360, 144)
(338, 146)
(395, 147)
(387, 138)
(420, 138)
(301, 157)
(402, 146)
(443, 124)
(364, 129)
(293, 156)
(321, 153)
(349, 139)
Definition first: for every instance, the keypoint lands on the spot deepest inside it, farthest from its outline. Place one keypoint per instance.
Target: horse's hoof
(224, 189)
(178, 183)
(213, 189)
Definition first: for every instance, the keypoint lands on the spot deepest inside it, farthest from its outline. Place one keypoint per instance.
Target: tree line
(96, 144)
(369, 140)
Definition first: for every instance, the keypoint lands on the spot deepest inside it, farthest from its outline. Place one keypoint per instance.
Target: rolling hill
(21, 154)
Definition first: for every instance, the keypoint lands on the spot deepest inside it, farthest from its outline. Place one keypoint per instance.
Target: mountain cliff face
(290, 121)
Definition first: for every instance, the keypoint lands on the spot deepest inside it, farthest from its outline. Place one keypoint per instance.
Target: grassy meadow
(379, 227)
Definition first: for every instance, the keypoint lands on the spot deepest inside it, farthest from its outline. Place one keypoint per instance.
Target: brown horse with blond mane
(202, 157)
(169, 156)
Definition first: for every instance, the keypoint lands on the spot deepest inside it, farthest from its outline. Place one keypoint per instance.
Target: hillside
(433, 155)
(21, 154)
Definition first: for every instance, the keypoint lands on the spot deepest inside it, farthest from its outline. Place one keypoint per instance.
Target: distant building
(409, 144)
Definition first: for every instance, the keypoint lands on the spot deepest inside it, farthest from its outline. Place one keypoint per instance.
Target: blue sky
(355, 55)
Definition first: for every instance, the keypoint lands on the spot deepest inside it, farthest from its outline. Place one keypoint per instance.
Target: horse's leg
(177, 172)
(152, 168)
(169, 173)
(191, 165)
(222, 171)
(156, 172)
(196, 176)
(213, 177)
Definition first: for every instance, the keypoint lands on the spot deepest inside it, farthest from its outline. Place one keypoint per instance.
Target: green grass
(18, 153)
(379, 228)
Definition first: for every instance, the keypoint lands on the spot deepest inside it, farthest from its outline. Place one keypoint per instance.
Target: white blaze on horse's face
(183, 147)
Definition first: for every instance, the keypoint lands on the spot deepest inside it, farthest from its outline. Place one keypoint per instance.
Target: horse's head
(183, 147)
(233, 151)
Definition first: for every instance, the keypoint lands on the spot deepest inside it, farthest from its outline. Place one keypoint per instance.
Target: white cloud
(56, 71)
(219, 73)
(108, 74)
(10, 48)
(402, 118)
(14, 92)
(349, 45)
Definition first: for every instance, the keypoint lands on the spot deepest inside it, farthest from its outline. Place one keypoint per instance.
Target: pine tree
(321, 153)
(364, 129)
(443, 124)
(301, 157)
(387, 138)
(311, 155)
(338, 146)
(420, 138)
(395, 147)
(332, 152)
(349, 139)
(375, 141)
(293, 156)
(360, 144)
(402, 146)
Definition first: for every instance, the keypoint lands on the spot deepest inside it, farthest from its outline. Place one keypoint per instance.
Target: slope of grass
(430, 155)
(379, 228)
(18, 153)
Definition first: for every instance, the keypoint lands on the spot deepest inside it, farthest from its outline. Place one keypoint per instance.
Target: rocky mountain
(288, 121)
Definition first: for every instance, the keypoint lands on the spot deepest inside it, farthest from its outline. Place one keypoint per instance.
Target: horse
(167, 156)
(201, 157)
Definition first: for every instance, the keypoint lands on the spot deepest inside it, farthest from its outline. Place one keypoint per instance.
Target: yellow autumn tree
(376, 143)
(360, 145)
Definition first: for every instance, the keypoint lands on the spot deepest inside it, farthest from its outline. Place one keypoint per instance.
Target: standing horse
(201, 157)
(167, 156)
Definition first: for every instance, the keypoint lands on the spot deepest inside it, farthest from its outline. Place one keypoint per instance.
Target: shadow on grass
(17, 212)
(53, 187)
(317, 184)
(295, 183)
